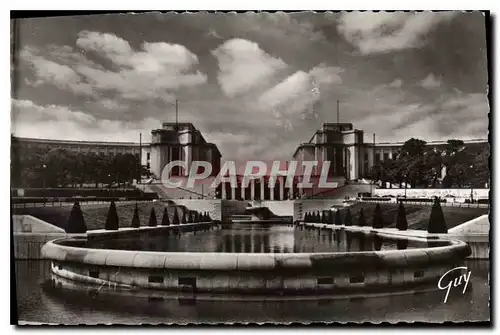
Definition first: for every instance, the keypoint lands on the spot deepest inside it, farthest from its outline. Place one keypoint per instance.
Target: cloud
(325, 75)
(112, 105)
(381, 32)
(25, 111)
(297, 96)
(396, 83)
(60, 75)
(452, 115)
(430, 82)
(281, 27)
(155, 71)
(43, 121)
(243, 65)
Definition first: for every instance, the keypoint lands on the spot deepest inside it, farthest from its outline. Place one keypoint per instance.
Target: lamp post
(44, 166)
(471, 187)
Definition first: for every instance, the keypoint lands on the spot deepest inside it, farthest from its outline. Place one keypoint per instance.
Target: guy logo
(445, 283)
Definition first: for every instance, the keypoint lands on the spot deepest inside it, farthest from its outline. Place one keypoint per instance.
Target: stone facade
(351, 157)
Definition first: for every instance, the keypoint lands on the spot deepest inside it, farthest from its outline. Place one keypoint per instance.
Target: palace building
(339, 143)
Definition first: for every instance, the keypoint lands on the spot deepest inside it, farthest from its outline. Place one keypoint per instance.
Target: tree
(112, 221)
(437, 224)
(165, 221)
(76, 223)
(348, 218)
(135, 219)
(175, 219)
(338, 218)
(413, 147)
(152, 218)
(184, 218)
(401, 222)
(306, 217)
(377, 218)
(361, 218)
(453, 146)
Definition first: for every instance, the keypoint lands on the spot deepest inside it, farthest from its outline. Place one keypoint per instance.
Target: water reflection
(255, 238)
(39, 303)
(402, 244)
(377, 243)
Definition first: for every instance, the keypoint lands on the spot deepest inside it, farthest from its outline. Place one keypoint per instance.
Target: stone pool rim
(54, 250)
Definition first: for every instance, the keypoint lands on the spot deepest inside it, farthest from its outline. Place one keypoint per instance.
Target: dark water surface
(261, 238)
(38, 303)
(69, 307)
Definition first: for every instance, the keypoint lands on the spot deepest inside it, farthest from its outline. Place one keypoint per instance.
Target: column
(334, 163)
(370, 158)
(223, 190)
(282, 188)
(381, 155)
(188, 158)
(390, 153)
(252, 189)
(316, 158)
(242, 190)
(233, 192)
(300, 188)
(271, 189)
(262, 186)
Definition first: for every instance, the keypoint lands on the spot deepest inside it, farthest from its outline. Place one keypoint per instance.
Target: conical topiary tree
(196, 216)
(191, 217)
(165, 220)
(152, 218)
(361, 218)
(331, 217)
(135, 219)
(401, 222)
(437, 224)
(318, 217)
(338, 218)
(175, 218)
(377, 218)
(348, 218)
(184, 218)
(76, 222)
(208, 217)
(112, 221)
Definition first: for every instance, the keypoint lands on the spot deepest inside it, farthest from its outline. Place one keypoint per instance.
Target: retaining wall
(30, 234)
(279, 208)
(212, 206)
(300, 207)
(478, 193)
(28, 245)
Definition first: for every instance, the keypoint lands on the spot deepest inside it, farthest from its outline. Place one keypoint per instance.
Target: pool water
(38, 304)
(260, 238)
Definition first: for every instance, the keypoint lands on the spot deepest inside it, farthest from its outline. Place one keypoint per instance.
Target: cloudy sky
(255, 84)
